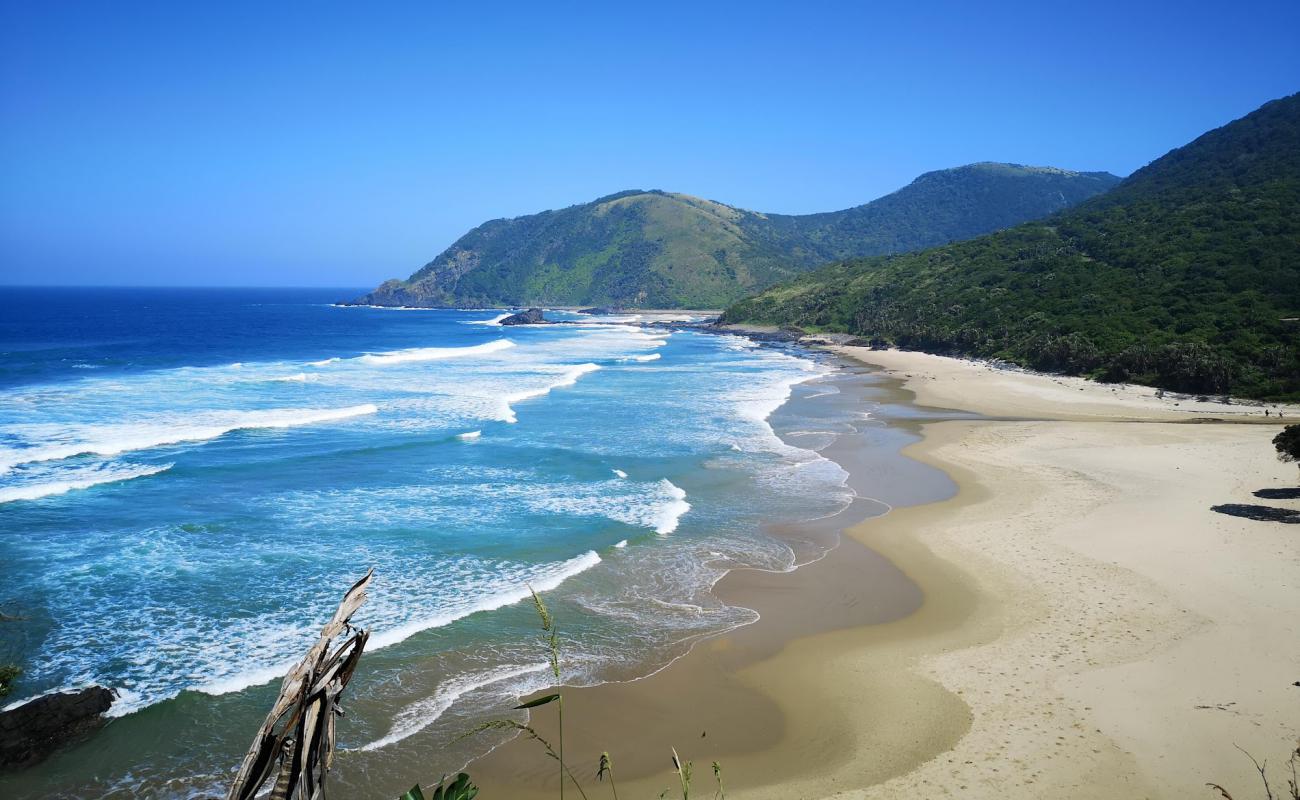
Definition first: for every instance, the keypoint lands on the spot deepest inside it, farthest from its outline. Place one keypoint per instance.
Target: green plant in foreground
(683, 774)
(606, 764)
(552, 639)
(607, 768)
(553, 651)
(460, 789)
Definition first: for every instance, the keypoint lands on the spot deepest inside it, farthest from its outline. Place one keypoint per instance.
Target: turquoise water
(189, 480)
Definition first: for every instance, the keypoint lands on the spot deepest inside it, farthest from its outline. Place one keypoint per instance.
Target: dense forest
(665, 250)
(1185, 276)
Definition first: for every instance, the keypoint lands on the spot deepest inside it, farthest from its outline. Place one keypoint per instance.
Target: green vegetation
(459, 789)
(658, 249)
(1185, 276)
(8, 674)
(1288, 443)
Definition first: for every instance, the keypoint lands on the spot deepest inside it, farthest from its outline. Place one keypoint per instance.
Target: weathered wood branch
(296, 742)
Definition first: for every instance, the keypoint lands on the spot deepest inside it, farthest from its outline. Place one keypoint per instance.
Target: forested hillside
(658, 249)
(1186, 276)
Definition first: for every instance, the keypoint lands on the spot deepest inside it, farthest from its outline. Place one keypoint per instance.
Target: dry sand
(1085, 627)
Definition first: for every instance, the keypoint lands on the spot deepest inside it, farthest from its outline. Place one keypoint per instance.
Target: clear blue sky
(339, 144)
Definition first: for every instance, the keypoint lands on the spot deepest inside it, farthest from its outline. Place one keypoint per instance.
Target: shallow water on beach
(189, 480)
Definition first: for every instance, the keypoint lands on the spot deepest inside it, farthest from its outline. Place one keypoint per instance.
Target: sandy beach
(1073, 621)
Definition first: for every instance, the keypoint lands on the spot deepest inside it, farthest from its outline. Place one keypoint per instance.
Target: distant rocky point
(532, 316)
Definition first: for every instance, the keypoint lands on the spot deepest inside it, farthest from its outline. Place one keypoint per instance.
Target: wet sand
(1080, 625)
(738, 696)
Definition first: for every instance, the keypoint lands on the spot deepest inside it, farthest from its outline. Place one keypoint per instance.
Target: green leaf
(464, 789)
(459, 789)
(413, 794)
(541, 701)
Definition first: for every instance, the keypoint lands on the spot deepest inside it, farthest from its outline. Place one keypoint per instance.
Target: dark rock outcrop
(601, 311)
(34, 730)
(532, 316)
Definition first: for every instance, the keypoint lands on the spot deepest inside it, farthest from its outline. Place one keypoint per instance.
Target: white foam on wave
(544, 582)
(544, 579)
(416, 354)
(469, 436)
(620, 473)
(645, 358)
(112, 439)
(670, 513)
(79, 479)
(494, 321)
(756, 401)
(236, 682)
(621, 544)
(421, 714)
(658, 506)
(739, 343)
(506, 412)
(325, 362)
(299, 377)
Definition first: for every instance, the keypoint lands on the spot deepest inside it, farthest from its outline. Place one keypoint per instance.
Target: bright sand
(1083, 624)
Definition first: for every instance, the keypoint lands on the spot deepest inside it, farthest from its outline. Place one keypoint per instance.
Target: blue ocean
(190, 479)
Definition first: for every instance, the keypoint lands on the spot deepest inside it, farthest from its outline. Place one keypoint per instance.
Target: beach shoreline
(1001, 682)
(712, 675)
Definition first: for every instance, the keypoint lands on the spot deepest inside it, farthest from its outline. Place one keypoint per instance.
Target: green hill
(659, 249)
(1186, 276)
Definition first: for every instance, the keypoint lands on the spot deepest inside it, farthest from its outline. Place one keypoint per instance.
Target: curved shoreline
(1039, 634)
(707, 695)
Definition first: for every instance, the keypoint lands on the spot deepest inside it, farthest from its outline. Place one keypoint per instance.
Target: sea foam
(659, 505)
(494, 321)
(543, 581)
(423, 713)
(112, 439)
(416, 354)
(78, 479)
(506, 412)
(386, 602)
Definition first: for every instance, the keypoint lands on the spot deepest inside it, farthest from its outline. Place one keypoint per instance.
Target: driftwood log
(296, 742)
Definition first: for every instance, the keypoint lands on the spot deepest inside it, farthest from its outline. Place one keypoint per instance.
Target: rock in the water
(34, 730)
(532, 316)
(601, 311)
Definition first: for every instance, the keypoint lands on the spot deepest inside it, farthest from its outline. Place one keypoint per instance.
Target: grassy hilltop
(661, 249)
